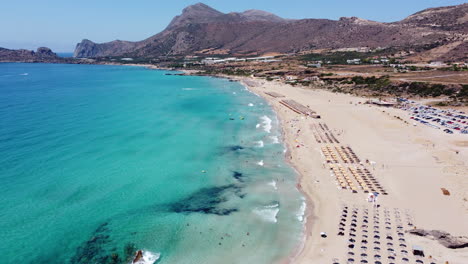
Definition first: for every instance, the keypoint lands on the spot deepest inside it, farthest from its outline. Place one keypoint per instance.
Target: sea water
(97, 162)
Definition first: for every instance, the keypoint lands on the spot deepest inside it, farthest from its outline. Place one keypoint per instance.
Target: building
(315, 64)
(354, 61)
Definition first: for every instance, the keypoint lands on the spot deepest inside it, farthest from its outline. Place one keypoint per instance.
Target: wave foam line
(268, 213)
(266, 121)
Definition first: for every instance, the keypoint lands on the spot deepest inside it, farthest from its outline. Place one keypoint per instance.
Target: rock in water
(138, 256)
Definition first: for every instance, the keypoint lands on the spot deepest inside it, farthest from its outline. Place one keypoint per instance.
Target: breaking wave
(300, 214)
(266, 121)
(268, 213)
(148, 258)
(273, 184)
(274, 139)
(260, 144)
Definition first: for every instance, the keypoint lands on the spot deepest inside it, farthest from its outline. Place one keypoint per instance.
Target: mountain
(451, 18)
(201, 29)
(40, 55)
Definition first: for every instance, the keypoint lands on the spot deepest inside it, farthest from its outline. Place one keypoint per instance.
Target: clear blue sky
(60, 24)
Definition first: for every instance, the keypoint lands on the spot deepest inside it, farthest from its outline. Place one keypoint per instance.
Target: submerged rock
(238, 176)
(235, 148)
(207, 201)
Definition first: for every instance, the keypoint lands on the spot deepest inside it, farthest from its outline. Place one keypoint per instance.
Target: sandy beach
(410, 162)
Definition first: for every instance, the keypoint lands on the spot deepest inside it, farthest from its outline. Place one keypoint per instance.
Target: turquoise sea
(97, 162)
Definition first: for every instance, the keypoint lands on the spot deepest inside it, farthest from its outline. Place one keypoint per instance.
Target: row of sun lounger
(334, 155)
(274, 95)
(330, 156)
(323, 135)
(374, 237)
(370, 180)
(347, 155)
(364, 179)
(342, 178)
(299, 108)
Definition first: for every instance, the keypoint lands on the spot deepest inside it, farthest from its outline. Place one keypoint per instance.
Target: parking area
(448, 120)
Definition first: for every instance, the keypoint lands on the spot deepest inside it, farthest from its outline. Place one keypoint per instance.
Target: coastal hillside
(201, 29)
(40, 55)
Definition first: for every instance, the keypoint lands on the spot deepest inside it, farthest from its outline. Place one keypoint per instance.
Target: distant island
(40, 55)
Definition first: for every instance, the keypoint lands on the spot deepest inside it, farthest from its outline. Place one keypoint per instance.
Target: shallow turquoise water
(99, 160)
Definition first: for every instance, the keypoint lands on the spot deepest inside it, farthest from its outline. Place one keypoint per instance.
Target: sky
(60, 24)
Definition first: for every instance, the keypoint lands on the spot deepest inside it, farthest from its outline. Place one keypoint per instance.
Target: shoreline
(324, 200)
(309, 198)
(309, 213)
(413, 162)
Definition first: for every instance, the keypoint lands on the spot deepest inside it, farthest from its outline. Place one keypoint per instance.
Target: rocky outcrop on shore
(42, 54)
(444, 238)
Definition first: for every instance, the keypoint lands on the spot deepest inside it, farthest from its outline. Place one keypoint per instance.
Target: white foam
(257, 126)
(260, 163)
(234, 93)
(189, 89)
(251, 104)
(266, 121)
(24, 74)
(268, 213)
(148, 258)
(273, 184)
(300, 214)
(260, 144)
(274, 139)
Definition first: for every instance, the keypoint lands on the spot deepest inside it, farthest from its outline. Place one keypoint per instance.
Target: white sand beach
(412, 163)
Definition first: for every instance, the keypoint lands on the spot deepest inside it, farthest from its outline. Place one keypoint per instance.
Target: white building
(354, 61)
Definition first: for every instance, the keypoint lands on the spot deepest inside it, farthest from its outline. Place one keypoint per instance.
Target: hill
(201, 29)
(40, 55)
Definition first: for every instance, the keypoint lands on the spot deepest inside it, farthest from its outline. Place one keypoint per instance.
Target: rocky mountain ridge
(201, 29)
